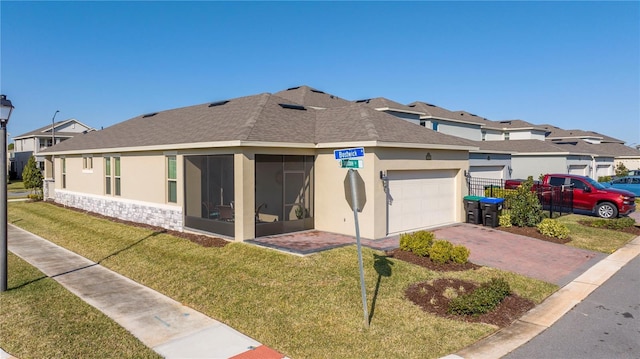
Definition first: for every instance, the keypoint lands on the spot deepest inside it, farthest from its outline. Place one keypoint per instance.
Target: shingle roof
(513, 124)
(359, 123)
(260, 118)
(557, 132)
(520, 146)
(432, 110)
(307, 96)
(381, 103)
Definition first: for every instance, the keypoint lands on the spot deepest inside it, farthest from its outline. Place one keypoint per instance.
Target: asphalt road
(604, 325)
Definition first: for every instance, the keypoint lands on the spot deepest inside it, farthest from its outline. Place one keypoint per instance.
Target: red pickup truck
(588, 195)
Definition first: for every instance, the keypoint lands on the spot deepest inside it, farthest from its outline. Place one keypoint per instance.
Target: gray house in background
(31, 143)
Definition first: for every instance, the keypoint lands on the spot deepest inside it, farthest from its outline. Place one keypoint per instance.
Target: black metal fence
(558, 200)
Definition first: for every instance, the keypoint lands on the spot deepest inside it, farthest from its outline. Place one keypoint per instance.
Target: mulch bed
(532, 232)
(430, 296)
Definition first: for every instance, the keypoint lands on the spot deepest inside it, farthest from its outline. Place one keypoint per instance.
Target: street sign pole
(354, 196)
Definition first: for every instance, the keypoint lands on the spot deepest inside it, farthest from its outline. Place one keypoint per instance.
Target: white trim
(223, 144)
(399, 110)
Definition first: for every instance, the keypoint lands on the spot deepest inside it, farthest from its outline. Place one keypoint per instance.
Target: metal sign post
(354, 197)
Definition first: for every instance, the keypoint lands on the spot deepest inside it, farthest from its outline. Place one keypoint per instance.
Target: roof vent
(293, 88)
(149, 115)
(292, 107)
(316, 91)
(365, 100)
(219, 103)
(428, 104)
(508, 122)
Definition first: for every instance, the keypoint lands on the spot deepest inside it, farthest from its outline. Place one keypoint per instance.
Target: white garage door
(577, 170)
(603, 170)
(494, 172)
(421, 199)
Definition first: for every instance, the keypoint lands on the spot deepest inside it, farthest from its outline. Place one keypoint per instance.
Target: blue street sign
(349, 153)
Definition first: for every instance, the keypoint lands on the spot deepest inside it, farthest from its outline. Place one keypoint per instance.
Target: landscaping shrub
(460, 254)
(482, 300)
(553, 228)
(417, 242)
(526, 210)
(604, 179)
(440, 251)
(504, 220)
(616, 223)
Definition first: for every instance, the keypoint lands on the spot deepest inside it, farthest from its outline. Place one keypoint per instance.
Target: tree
(11, 146)
(32, 177)
(621, 170)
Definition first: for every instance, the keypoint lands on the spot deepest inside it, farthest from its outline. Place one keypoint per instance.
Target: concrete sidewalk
(168, 327)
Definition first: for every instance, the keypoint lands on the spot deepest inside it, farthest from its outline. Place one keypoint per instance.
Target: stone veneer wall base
(124, 210)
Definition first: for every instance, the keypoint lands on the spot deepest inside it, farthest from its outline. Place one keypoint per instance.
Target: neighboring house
(536, 157)
(263, 165)
(457, 124)
(32, 143)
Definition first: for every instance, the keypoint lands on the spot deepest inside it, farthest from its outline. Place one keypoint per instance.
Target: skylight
(292, 107)
(218, 103)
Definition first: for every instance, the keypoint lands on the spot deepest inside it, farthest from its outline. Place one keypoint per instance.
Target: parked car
(634, 173)
(628, 183)
(588, 195)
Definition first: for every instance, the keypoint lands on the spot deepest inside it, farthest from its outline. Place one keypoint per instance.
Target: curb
(551, 309)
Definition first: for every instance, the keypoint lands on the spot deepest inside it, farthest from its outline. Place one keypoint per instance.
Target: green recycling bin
(472, 209)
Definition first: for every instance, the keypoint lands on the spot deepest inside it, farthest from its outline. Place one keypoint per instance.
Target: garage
(421, 199)
(493, 172)
(603, 170)
(577, 170)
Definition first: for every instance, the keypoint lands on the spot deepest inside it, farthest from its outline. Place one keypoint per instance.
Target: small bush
(418, 242)
(482, 300)
(440, 251)
(526, 210)
(604, 179)
(504, 220)
(460, 254)
(552, 228)
(616, 223)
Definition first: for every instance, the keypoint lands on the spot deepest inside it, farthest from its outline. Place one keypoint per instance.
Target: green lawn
(40, 319)
(304, 307)
(16, 186)
(593, 239)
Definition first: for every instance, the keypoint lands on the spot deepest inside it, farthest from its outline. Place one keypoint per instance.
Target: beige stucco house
(263, 165)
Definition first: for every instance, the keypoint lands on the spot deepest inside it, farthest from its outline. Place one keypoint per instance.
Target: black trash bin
(491, 209)
(472, 209)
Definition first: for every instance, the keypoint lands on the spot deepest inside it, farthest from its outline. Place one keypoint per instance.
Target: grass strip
(41, 319)
(591, 238)
(304, 307)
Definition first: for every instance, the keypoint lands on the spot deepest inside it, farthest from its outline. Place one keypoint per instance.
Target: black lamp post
(5, 112)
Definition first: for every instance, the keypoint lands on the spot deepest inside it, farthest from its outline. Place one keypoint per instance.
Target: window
(434, 126)
(484, 135)
(116, 179)
(87, 162)
(64, 172)
(556, 181)
(172, 184)
(577, 184)
(506, 136)
(107, 173)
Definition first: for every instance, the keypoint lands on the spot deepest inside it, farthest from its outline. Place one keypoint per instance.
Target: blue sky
(571, 64)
